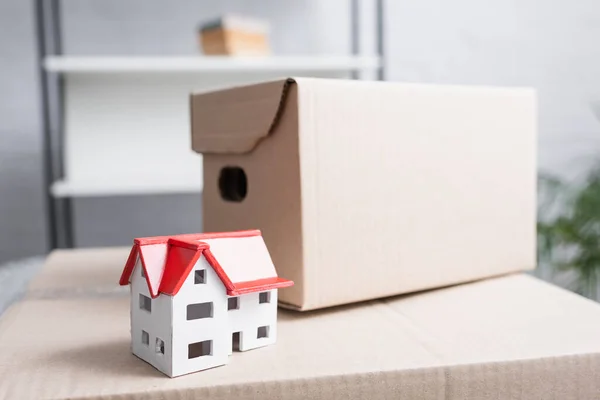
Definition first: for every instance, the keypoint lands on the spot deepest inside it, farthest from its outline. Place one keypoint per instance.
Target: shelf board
(209, 64)
(124, 187)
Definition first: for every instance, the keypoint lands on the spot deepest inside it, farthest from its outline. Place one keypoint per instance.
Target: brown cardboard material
(233, 35)
(512, 337)
(368, 189)
(68, 273)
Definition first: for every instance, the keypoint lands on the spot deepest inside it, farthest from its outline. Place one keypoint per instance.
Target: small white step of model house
(196, 298)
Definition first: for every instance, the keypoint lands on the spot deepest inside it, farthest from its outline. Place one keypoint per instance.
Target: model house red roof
(240, 259)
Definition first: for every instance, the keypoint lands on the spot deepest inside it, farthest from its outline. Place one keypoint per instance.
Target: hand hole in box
(233, 184)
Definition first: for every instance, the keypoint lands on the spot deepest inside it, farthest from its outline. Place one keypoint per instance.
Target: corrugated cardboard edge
(530, 379)
(205, 145)
(475, 381)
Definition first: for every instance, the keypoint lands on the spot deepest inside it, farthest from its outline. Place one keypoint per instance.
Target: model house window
(145, 338)
(145, 303)
(200, 349)
(263, 332)
(199, 310)
(264, 297)
(143, 273)
(236, 339)
(160, 346)
(233, 303)
(200, 277)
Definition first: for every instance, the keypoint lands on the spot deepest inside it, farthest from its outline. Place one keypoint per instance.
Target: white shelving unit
(278, 64)
(126, 119)
(125, 187)
(115, 126)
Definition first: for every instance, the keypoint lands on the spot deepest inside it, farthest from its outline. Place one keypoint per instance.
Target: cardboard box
(512, 337)
(368, 189)
(234, 35)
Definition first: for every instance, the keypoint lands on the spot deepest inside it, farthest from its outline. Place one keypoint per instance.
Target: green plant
(569, 230)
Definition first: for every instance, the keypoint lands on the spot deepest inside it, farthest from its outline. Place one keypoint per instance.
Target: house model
(195, 298)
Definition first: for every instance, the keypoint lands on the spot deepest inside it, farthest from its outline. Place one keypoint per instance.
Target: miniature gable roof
(240, 259)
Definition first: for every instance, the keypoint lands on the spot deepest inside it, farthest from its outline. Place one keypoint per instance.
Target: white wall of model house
(255, 320)
(156, 322)
(212, 330)
(199, 323)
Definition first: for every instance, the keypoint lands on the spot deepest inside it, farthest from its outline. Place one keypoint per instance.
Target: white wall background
(549, 44)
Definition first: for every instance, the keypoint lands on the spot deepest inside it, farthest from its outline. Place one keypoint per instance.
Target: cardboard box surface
(512, 337)
(68, 273)
(368, 189)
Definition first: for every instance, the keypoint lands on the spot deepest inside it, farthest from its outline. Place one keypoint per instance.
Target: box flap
(235, 120)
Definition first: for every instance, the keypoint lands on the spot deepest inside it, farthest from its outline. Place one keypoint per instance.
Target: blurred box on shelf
(364, 189)
(512, 337)
(234, 35)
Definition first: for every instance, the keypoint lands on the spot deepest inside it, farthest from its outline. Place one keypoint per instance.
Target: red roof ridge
(196, 237)
(188, 244)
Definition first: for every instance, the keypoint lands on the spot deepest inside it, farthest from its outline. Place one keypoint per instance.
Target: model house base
(197, 298)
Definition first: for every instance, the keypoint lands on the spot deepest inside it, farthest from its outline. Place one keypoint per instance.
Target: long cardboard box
(369, 189)
(512, 337)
